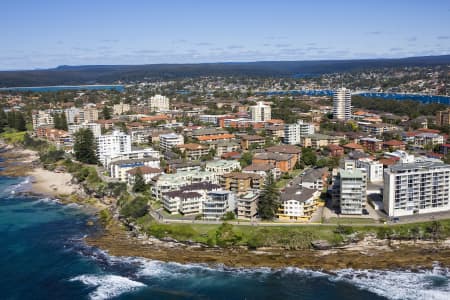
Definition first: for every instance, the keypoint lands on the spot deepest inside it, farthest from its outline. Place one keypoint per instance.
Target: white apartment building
(118, 169)
(217, 204)
(42, 118)
(222, 166)
(424, 139)
(159, 103)
(342, 104)
(134, 154)
(352, 191)
(416, 188)
(293, 132)
(171, 182)
(72, 115)
(349, 189)
(374, 169)
(94, 127)
(170, 140)
(260, 112)
(111, 145)
(212, 119)
(120, 108)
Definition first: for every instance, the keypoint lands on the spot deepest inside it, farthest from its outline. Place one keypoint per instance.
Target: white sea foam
(108, 286)
(18, 187)
(400, 285)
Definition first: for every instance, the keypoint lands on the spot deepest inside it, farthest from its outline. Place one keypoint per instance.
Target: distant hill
(73, 75)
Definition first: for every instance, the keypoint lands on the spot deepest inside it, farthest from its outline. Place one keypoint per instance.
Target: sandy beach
(51, 183)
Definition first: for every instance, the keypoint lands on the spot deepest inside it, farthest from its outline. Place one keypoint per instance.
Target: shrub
(135, 208)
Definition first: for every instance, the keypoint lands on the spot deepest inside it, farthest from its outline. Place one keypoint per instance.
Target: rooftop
(300, 195)
(423, 165)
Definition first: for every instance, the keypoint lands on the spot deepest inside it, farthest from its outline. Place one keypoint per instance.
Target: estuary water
(43, 256)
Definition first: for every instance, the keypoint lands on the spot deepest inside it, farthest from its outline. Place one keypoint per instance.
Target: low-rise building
(316, 179)
(297, 204)
(217, 204)
(393, 145)
(284, 162)
(170, 140)
(252, 141)
(372, 144)
(148, 173)
(170, 182)
(247, 205)
(221, 167)
(374, 169)
(241, 182)
(193, 151)
(119, 168)
(262, 170)
(94, 127)
(317, 141)
(223, 147)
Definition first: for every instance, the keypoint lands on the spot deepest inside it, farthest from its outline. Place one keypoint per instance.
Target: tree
(246, 159)
(308, 157)
(84, 146)
(269, 200)
(106, 113)
(19, 122)
(3, 120)
(139, 182)
(135, 208)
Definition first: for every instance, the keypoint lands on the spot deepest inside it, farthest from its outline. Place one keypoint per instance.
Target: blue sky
(44, 33)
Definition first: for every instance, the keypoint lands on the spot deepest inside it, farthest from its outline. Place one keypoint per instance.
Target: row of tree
(12, 119)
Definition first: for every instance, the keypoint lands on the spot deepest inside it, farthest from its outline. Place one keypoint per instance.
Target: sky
(48, 33)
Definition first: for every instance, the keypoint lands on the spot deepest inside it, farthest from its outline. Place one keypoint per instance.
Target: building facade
(260, 112)
(111, 145)
(342, 104)
(170, 140)
(159, 103)
(415, 188)
(293, 132)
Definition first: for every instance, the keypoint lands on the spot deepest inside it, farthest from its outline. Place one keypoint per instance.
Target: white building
(222, 166)
(159, 103)
(349, 189)
(188, 199)
(72, 115)
(212, 119)
(260, 112)
(119, 169)
(342, 104)
(121, 108)
(217, 204)
(415, 188)
(424, 139)
(293, 132)
(171, 182)
(402, 156)
(134, 154)
(148, 173)
(112, 145)
(297, 204)
(374, 169)
(170, 140)
(94, 127)
(43, 118)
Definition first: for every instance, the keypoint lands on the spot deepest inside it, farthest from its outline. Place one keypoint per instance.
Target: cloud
(374, 32)
(412, 39)
(443, 37)
(109, 41)
(396, 49)
(82, 49)
(203, 44)
(231, 47)
(146, 51)
(282, 45)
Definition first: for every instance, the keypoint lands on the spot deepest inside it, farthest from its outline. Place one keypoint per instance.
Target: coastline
(370, 253)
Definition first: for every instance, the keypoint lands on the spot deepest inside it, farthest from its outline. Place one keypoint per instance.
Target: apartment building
(111, 145)
(94, 127)
(342, 104)
(159, 103)
(193, 151)
(297, 204)
(241, 182)
(293, 132)
(416, 188)
(217, 204)
(260, 112)
(247, 205)
(221, 167)
(42, 118)
(170, 140)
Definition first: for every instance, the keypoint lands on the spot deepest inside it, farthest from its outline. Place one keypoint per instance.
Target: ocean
(43, 256)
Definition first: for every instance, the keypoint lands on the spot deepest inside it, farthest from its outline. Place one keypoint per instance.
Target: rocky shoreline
(370, 253)
(118, 240)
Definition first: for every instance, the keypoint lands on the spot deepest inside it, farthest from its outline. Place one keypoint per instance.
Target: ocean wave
(400, 284)
(108, 286)
(24, 185)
